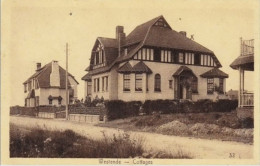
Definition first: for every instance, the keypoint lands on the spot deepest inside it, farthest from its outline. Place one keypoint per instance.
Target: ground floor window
(170, 84)
(194, 85)
(157, 82)
(210, 85)
(37, 101)
(138, 82)
(221, 87)
(126, 82)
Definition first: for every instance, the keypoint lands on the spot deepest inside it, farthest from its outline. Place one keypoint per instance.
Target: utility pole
(67, 96)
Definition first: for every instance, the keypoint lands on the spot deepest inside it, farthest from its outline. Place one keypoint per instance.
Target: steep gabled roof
(43, 76)
(149, 34)
(214, 73)
(139, 33)
(108, 42)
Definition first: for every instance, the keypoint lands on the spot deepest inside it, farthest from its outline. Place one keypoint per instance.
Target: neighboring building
(232, 94)
(47, 86)
(245, 62)
(153, 62)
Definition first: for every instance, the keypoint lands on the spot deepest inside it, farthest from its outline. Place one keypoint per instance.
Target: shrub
(117, 109)
(57, 144)
(247, 122)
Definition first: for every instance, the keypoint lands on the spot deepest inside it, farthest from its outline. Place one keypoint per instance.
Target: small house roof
(141, 67)
(87, 77)
(214, 73)
(126, 68)
(43, 76)
(246, 62)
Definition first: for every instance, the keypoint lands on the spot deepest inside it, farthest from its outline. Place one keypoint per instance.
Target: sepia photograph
(130, 82)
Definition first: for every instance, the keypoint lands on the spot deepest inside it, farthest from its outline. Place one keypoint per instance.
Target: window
(106, 83)
(210, 86)
(197, 59)
(50, 101)
(170, 84)
(59, 100)
(36, 85)
(126, 82)
(157, 55)
(89, 85)
(221, 87)
(139, 54)
(138, 82)
(181, 57)
(29, 86)
(37, 101)
(97, 84)
(157, 83)
(166, 56)
(189, 58)
(103, 83)
(194, 85)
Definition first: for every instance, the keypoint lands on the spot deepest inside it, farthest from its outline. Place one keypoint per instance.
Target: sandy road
(197, 148)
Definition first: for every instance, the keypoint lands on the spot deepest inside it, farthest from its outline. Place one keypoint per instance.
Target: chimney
(38, 66)
(184, 33)
(55, 74)
(120, 36)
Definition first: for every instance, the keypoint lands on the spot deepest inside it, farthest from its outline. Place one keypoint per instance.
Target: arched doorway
(185, 83)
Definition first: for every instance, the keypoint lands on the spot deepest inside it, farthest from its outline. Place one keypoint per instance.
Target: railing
(247, 99)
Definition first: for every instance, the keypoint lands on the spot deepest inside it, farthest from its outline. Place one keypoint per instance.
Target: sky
(37, 31)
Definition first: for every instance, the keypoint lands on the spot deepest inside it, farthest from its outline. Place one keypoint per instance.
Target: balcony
(246, 99)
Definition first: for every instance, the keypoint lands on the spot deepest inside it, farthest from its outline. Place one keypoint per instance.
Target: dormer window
(161, 22)
(99, 55)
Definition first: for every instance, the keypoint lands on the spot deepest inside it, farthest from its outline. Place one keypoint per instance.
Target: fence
(247, 100)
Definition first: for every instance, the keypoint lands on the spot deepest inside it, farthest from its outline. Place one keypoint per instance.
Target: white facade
(35, 95)
(166, 71)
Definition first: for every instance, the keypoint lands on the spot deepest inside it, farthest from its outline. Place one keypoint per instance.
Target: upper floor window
(145, 54)
(189, 58)
(138, 82)
(210, 85)
(181, 57)
(157, 82)
(207, 60)
(126, 82)
(166, 56)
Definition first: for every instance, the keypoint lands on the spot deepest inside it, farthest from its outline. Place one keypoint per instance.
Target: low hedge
(117, 109)
(29, 111)
(185, 106)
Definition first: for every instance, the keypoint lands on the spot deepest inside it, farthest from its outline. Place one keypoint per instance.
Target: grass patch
(39, 143)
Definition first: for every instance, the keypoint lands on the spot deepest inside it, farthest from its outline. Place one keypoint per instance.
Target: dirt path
(197, 148)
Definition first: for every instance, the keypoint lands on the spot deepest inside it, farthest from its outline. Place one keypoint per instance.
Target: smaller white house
(47, 86)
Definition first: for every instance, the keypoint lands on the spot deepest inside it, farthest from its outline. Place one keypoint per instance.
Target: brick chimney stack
(38, 66)
(120, 36)
(184, 33)
(55, 74)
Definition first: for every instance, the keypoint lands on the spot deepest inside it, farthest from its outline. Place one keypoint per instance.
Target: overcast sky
(37, 31)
